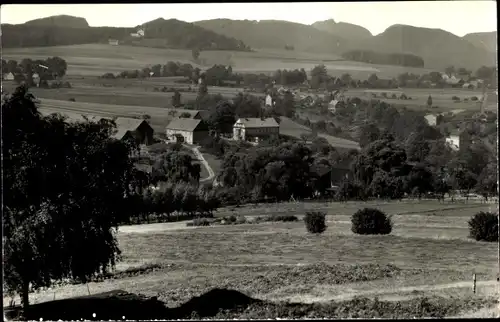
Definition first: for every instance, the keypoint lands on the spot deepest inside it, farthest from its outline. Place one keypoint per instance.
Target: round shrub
(315, 222)
(474, 98)
(483, 226)
(369, 221)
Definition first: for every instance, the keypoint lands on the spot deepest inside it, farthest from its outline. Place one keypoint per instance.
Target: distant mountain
(59, 21)
(437, 47)
(278, 34)
(67, 30)
(342, 29)
(487, 40)
(187, 35)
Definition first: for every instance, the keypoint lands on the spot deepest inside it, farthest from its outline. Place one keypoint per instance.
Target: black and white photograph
(222, 161)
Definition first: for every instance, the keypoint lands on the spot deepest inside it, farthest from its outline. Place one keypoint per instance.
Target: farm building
(248, 128)
(187, 130)
(453, 141)
(340, 172)
(113, 42)
(8, 77)
(137, 129)
(269, 100)
(431, 119)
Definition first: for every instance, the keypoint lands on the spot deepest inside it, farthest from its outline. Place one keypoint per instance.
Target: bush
(284, 218)
(199, 222)
(455, 98)
(315, 222)
(369, 221)
(474, 98)
(72, 100)
(483, 226)
(394, 96)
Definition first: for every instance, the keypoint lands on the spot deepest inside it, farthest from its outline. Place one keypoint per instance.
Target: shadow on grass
(230, 304)
(119, 305)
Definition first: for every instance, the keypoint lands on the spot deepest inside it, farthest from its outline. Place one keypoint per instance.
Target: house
(468, 86)
(340, 172)
(322, 175)
(431, 119)
(8, 77)
(269, 100)
(248, 128)
(332, 106)
(126, 127)
(113, 42)
(139, 34)
(191, 131)
(136, 129)
(453, 141)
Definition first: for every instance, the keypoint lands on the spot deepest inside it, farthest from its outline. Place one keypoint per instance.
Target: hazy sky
(458, 17)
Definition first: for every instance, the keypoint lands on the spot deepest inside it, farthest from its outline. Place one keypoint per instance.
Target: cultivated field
(428, 253)
(96, 59)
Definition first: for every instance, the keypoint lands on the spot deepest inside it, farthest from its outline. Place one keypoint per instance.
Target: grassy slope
(426, 249)
(97, 59)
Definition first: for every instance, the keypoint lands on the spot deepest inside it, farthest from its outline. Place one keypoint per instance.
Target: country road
(200, 157)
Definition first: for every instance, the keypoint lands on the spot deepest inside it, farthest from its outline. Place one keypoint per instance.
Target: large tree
(66, 188)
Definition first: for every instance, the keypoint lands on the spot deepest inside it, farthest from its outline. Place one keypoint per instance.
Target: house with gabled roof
(255, 127)
(188, 130)
(126, 128)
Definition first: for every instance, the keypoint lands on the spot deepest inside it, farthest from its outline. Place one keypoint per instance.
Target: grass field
(428, 253)
(97, 59)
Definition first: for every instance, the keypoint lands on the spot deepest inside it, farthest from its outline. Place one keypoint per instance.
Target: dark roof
(123, 124)
(184, 124)
(320, 169)
(256, 122)
(343, 165)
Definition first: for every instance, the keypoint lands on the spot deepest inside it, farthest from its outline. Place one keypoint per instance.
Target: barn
(249, 128)
(187, 130)
(137, 129)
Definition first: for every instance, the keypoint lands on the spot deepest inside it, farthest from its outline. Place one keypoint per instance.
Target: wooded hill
(67, 30)
(438, 48)
(487, 40)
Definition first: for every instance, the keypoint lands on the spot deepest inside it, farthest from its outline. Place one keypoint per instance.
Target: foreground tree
(63, 196)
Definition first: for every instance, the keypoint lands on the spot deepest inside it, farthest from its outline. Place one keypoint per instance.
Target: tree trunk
(25, 298)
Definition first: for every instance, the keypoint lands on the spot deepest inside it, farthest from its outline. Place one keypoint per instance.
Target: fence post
(88, 289)
(474, 283)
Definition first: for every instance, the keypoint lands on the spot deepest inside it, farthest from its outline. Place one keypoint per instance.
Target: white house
(9, 77)
(113, 42)
(248, 128)
(269, 100)
(431, 119)
(453, 141)
(332, 106)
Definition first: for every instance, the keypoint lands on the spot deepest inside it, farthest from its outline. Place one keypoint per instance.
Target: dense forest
(371, 57)
(174, 33)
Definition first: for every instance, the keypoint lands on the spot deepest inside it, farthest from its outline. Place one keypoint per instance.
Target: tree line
(371, 57)
(47, 69)
(173, 34)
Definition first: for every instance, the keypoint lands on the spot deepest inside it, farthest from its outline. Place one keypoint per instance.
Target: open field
(97, 59)
(428, 253)
(440, 98)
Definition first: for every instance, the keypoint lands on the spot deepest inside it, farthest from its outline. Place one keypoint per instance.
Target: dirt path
(200, 157)
(393, 294)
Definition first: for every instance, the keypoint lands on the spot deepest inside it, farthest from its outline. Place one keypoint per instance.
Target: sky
(458, 17)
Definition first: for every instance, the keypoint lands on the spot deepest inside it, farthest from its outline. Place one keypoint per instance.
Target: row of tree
(371, 57)
(50, 68)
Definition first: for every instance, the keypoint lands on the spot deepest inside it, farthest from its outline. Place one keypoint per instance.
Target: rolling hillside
(343, 29)
(67, 30)
(59, 21)
(486, 40)
(437, 47)
(278, 34)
